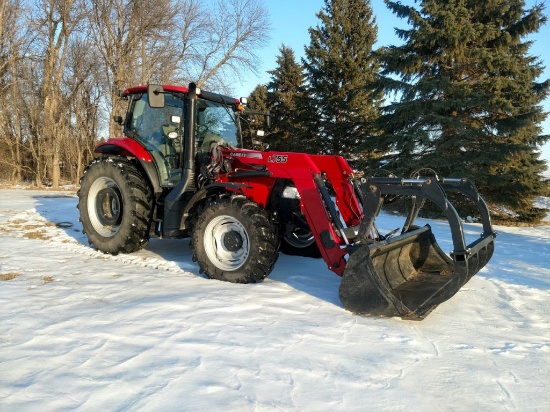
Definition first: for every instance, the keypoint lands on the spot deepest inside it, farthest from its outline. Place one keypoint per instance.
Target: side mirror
(155, 95)
(118, 119)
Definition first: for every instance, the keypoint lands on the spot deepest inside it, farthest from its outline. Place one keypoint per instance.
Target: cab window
(151, 126)
(159, 130)
(216, 123)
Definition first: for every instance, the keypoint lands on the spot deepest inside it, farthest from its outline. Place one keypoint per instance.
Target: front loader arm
(309, 174)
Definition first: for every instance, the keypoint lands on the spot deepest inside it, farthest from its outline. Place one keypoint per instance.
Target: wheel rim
(226, 243)
(105, 206)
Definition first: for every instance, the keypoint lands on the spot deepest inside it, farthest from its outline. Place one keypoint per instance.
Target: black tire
(115, 203)
(296, 236)
(234, 240)
(300, 243)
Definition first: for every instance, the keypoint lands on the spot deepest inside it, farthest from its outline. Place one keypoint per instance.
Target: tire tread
(259, 266)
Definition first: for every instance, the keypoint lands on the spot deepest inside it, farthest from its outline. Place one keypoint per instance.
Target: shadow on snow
(307, 275)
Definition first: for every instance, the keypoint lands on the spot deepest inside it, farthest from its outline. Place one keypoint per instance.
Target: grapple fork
(409, 275)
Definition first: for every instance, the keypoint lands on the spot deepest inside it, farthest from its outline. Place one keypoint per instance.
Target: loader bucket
(409, 275)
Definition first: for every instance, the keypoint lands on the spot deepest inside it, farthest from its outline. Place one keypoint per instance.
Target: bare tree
(176, 41)
(220, 42)
(10, 136)
(131, 37)
(54, 21)
(82, 81)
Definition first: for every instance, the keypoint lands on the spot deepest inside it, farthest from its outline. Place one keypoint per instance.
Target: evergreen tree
(341, 71)
(285, 90)
(257, 100)
(469, 101)
(250, 124)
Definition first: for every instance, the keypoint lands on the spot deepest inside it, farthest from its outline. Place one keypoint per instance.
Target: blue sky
(290, 20)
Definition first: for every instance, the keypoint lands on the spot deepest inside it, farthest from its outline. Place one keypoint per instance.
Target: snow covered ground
(88, 331)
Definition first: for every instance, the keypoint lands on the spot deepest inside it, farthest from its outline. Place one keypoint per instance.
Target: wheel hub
(226, 243)
(105, 206)
(233, 241)
(108, 206)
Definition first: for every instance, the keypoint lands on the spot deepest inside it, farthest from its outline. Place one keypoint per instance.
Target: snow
(88, 331)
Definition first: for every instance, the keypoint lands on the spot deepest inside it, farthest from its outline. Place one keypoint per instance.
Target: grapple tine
(409, 275)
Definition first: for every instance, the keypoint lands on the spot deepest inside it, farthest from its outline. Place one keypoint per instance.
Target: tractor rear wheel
(234, 241)
(115, 203)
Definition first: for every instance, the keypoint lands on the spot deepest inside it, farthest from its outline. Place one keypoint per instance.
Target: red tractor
(181, 171)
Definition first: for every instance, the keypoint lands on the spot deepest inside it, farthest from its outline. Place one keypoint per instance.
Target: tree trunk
(56, 171)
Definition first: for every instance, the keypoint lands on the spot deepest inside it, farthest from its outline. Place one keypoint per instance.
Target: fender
(210, 190)
(177, 212)
(124, 146)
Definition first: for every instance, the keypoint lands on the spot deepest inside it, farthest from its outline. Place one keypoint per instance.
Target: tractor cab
(157, 120)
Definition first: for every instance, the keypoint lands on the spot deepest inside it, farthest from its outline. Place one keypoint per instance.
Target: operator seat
(209, 139)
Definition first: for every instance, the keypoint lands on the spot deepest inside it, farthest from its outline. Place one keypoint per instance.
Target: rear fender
(124, 146)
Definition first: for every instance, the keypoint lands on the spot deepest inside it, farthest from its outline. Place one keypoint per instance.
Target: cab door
(160, 131)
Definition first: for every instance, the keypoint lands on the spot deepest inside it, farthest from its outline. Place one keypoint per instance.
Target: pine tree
(341, 71)
(285, 89)
(257, 100)
(250, 124)
(469, 102)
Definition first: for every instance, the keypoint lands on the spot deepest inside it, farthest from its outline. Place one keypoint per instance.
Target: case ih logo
(277, 159)
(245, 154)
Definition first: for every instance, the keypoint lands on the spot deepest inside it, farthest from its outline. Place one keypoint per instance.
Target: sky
(291, 19)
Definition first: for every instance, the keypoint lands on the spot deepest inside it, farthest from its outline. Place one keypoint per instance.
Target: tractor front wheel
(234, 241)
(115, 203)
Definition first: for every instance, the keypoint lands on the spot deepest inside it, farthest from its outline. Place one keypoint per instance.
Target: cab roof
(220, 98)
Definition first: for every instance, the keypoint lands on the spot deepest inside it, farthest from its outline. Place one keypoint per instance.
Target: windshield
(215, 123)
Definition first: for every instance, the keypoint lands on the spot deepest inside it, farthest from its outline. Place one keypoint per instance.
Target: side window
(136, 121)
(159, 130)
(152, 126)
